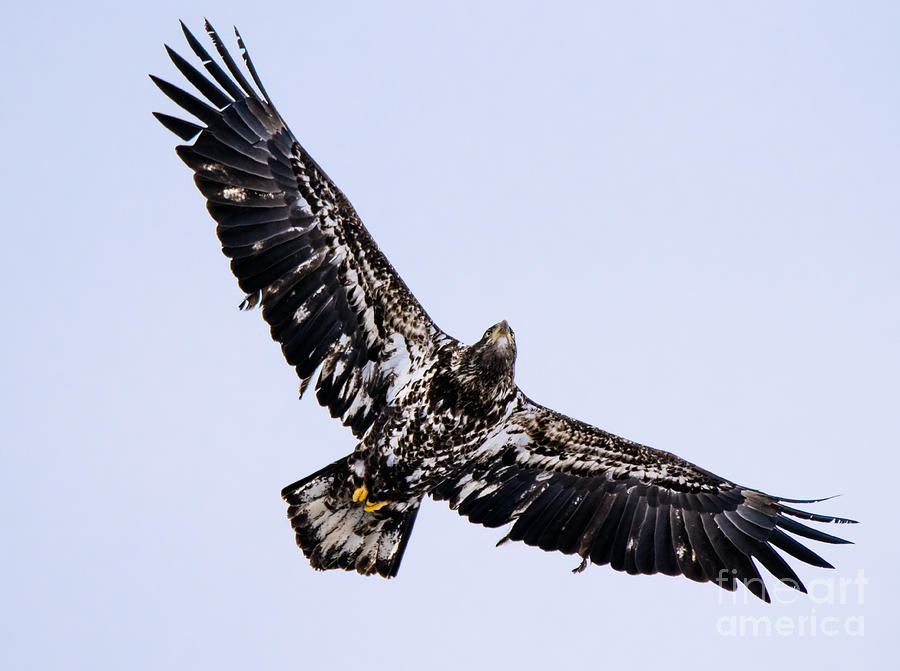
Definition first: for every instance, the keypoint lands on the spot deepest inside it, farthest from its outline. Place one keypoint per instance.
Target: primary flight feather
(432, 415)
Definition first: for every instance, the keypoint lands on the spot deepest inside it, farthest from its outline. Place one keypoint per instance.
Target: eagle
(433, 416)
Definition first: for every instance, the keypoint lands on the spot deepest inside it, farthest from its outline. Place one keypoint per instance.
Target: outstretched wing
(296, 245)
(571, 487)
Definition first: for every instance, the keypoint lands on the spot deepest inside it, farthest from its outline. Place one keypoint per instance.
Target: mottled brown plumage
(432, 415)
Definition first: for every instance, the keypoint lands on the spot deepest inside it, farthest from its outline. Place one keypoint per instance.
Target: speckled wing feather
(296, 245)
(571, 487)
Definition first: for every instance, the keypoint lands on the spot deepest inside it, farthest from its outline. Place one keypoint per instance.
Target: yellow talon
(361, 495)
(372, 507)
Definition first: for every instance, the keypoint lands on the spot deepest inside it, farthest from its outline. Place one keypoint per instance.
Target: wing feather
(296, 245)
(567, 486)
(644, 546)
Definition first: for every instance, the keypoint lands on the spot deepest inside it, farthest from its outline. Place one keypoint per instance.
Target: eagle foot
(581, 566)
(372, 506)
(361, 495)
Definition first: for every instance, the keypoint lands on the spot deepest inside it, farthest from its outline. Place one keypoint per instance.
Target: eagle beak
(502, 330)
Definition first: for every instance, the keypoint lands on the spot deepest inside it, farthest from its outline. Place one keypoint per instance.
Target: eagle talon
(361, 495)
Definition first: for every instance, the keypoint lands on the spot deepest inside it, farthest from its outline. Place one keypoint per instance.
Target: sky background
(688, 212)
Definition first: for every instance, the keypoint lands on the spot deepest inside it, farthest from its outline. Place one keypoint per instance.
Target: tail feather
(335, 533)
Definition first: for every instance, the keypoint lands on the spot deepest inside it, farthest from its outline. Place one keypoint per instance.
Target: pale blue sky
(688, 212)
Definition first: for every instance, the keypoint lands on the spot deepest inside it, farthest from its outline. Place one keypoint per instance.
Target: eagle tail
(335, 532)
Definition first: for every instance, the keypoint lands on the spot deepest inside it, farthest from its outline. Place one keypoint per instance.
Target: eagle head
(495, 353)
(500, 340)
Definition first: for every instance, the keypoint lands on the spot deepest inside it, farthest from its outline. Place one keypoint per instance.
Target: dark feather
(605, 536)
(644, 554)
(209, 90)
(664, 559)
(784, 542)
(211, 66)
(249, 63)
(502, 511)
(795, 527)
(228, 60)
(549, 540)
(546, 520)
(183, 129)
(574, 528)
(623, 529)
(702, 549)
(813, 517)
(182, 98)
(684, 554)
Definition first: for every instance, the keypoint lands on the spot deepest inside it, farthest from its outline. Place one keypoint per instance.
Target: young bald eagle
(432, 415)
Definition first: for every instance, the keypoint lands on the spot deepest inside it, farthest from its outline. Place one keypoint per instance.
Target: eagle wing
(297, 247)
(568, 486)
